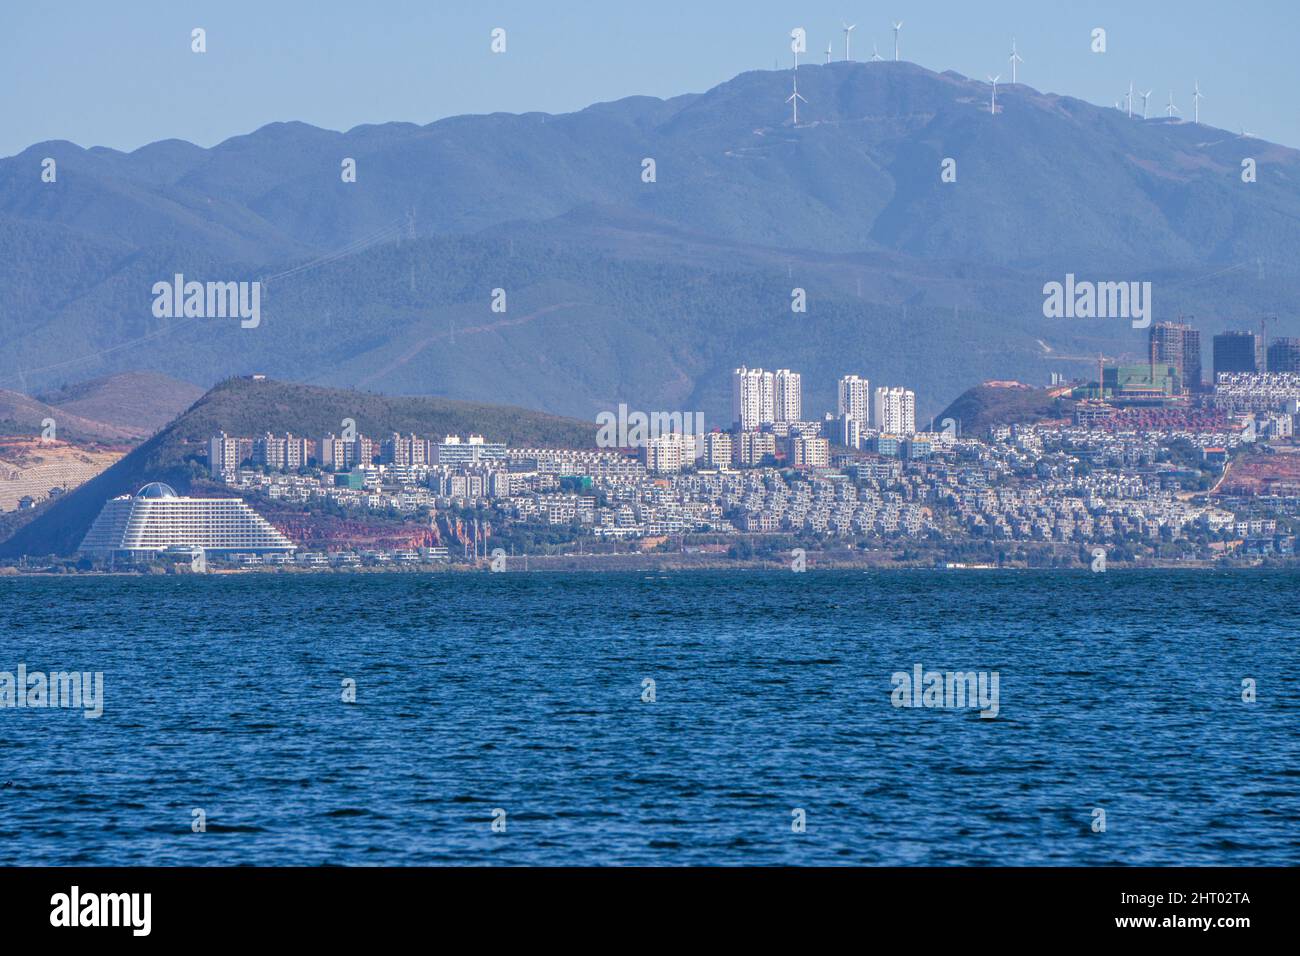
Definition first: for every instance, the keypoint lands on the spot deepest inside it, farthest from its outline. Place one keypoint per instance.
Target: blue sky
(121, 73)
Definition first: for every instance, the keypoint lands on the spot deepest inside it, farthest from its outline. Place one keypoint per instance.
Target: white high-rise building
(806, 452)
(670, 453)
(223, 455)
(850, 432)
(717, 450)
(787, 396)
(895, 412)
(280, 453)
(752, 402)
(760, 398)
(855, 399)
(343, 453)
(751, 448)
(453, 451)
(329, 452)
(410, 450)
(156, 519)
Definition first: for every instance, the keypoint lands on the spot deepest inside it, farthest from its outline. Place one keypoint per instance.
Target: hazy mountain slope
(140, 401)
(21, 415)
(583, 331)
(100, 193)
(649, 293)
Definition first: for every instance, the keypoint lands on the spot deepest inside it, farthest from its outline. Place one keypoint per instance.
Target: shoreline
(576, 564)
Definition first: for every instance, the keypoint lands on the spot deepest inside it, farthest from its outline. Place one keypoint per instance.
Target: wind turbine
(1129, 99)
(1170, 110)
(1196, 103)
(1246, 135)
(848, 28)
(898, 25)
(1144, 102)
(793, 99)
(875, 57)
(1015, 58)
(828, 52)
(993, 99)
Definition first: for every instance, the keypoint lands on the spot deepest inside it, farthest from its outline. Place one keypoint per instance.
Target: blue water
(1119, 691)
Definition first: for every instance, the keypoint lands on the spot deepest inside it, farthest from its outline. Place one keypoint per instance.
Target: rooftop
(156, 489)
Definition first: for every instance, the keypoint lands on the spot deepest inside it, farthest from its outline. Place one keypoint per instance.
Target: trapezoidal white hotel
(156, 519)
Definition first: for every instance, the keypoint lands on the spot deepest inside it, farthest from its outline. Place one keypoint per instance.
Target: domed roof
(156, 489)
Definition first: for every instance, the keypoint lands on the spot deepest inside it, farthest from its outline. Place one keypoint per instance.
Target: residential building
(889, 445)
(329, 452)
(717, 450)
(895, 411)
(281, 454)
(750, 448)
(809, 452)
(854, 399)
(453, 451)
(850, 431)
(223, 455)
(669, 453)
(752, 399)
(405, 450)
(341, 454)
(1256, 391)
(921, 445)
(787, 396)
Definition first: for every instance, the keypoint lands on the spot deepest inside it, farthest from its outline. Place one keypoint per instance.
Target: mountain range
(649, 293)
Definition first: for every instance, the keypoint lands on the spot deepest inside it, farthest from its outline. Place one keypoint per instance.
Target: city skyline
(405, 473)
(432, 476)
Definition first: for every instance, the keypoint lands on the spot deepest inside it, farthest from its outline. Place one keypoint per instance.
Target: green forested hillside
(978, 408)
